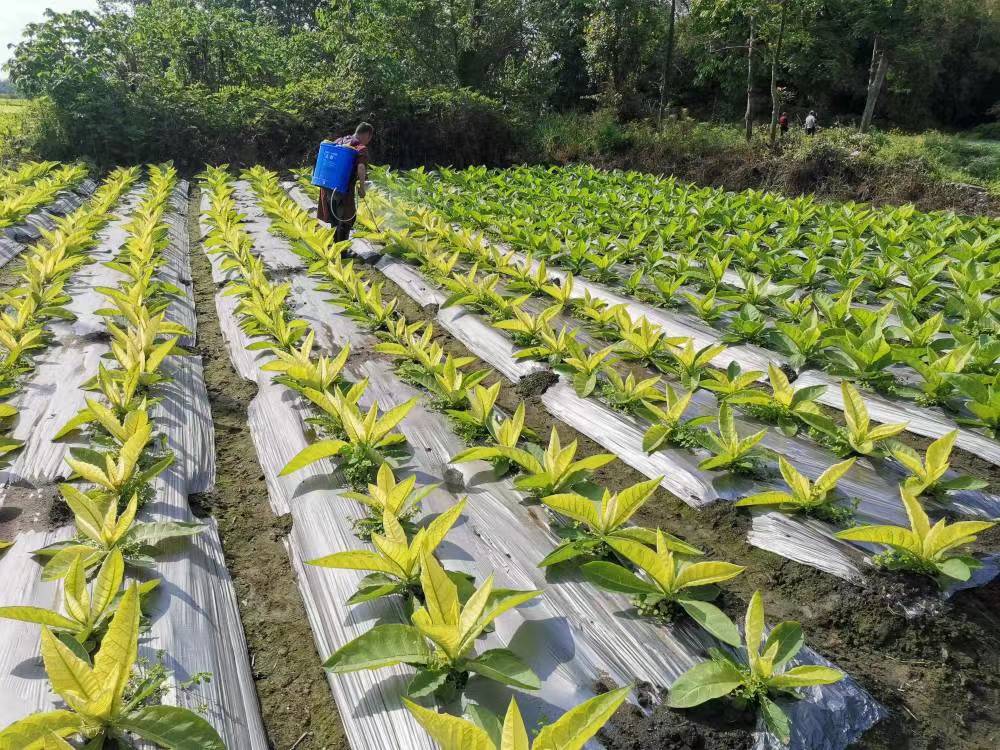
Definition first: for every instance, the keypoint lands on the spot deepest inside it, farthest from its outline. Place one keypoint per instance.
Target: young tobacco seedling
(87, 611)
(922, 548)
(628, 394)
(857, 437)
(598, 523)
(571, 731)
(370, 439)
(806, 497)
(671, 582)
(729, 451)
(757, 674)
(668, 423)
(443, 665)
(298, 370)
(101, 530)
(100, 709)
(927, 474)
(690, 364)
(785, 405)
(584, 370)
(395, 563)
(732, 385)
(473, 423)
(547, 472)
(399, 499)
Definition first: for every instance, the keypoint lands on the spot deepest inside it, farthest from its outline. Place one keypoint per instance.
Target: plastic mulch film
(571, 635)
(928, 422)
(195, 625)
(873, 484)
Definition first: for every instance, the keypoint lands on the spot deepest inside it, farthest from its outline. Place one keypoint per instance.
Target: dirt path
(296, 702)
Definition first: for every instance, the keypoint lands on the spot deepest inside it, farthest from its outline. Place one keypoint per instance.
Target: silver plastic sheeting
(485, 341)
(806, 541)
(873, 484)
(921, 421)
(195, 617)
(24, 688)
(571, 635)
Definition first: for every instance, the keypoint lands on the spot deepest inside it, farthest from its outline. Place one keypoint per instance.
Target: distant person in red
(783, 122)
(341, 210)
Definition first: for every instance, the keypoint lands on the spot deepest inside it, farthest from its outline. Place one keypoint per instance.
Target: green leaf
(504, 666)
(804, 676)
(151, 534)
(576, 727)
(313, 453)
(614, 577)
(712, 619)
(172, 727)
(788, 636)
(382, 646)
(425, 682)
(776, 720)
(704, 682)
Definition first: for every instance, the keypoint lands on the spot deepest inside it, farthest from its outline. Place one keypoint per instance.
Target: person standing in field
(811, 123)
(340, 211)
(783, 122)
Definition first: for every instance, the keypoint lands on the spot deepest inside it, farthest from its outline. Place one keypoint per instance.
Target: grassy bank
(933, 170)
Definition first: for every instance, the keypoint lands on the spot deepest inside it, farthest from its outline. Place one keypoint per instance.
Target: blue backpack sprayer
(334, 168)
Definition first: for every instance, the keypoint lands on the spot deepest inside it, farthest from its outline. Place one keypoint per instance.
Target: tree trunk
(775, 59)
(748, 118)
(668, 60)
(875, 81)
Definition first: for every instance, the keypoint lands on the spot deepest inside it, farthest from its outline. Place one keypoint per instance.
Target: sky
(16, 14)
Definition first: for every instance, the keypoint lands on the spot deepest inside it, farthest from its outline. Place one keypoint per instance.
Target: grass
(931, 157)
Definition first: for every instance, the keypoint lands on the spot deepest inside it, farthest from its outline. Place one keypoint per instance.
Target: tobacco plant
(729, 451)
(805, 496)
(922, 548)
(784, 405)
(571, 731)
(596, 524)
(858, 436)
(88, 611)
(103, 704)
(395, 563)
(671, 581)
(926, 475)
(547, 472)
(439, 642)
(668, 423)
(757, 674)
(101, 530)
(365, 442)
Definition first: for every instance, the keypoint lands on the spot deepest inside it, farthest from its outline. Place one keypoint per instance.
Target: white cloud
(16, 14)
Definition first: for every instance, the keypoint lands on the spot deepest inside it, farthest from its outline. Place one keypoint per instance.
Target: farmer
(811, 123)
(342, 210)
(783, 122)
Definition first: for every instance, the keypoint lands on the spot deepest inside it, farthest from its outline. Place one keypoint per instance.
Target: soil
(933, 663)
(296, 703)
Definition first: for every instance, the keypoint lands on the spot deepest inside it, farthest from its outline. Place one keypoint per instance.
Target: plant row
(809, 299)
(24, 200)
(38, 296)
(90, 648)
(435, 248)
(23, 174)
(666, 576)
